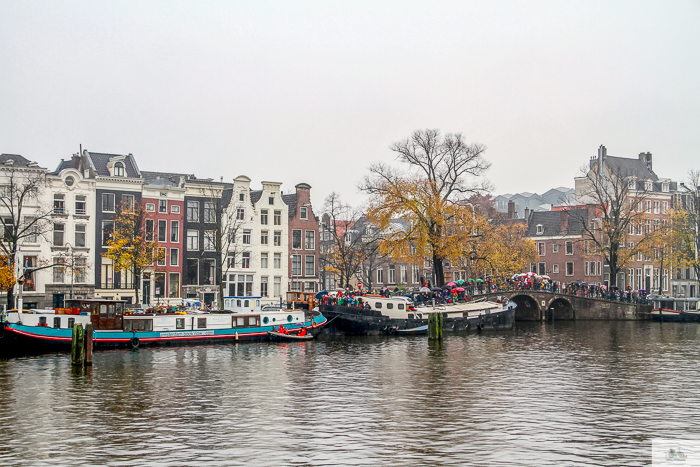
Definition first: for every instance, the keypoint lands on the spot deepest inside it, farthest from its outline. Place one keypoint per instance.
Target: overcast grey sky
(301, 91)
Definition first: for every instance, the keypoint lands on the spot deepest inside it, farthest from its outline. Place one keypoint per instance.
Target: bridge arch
(527, 308)
(560, 308)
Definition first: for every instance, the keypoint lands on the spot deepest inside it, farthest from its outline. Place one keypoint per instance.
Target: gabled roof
(62, 166)
(18, 161)
(165, 178)
(630, 168)
(255, 196)
(291, 201)
(100, 160)
(551, 222)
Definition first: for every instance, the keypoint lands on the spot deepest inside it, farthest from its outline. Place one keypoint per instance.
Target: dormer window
(118, 169)
(540, 229)
(630, 185)
(664, 187)
(648, 186)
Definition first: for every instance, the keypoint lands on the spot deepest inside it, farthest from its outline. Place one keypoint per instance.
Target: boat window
(127, 325)
(400, 306)
(179, 323)
(410, 316)
(289, 318)
(42, 320)
(419, 315)
(57, 322)
(120, 309)
(257, 303)
(240, 321)
(103, 311)
(110, 311)
(246, 303)
(238, 303)
(378, 305)
(266, 320)
(251, 321)
(201, 323)
(71, 322)
(666, 305)
(389, 306)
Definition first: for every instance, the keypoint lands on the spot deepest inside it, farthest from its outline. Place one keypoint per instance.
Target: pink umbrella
(460, 289)
(451, 284)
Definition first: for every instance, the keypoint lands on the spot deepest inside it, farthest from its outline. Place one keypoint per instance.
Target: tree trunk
(137, 283)
(439, 271)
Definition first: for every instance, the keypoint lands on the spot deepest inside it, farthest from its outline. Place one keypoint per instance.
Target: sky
(315, 92)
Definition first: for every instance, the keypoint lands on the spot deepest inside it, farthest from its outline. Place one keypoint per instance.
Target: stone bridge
(536, 305)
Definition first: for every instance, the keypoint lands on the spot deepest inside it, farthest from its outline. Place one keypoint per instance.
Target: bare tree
(22, 215)
(370, 247)
(689, 228)
(615, 207)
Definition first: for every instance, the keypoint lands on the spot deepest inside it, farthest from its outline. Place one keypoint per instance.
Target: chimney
(564, 220)
(527, 214)
(75, 161)
(645, 157)
(511, 209)
(602, 152)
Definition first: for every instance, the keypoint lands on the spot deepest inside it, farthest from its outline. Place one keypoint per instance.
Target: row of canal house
(273, 247)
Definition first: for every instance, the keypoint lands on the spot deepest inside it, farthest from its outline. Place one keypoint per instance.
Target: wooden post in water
(435, 326)
(88, 344)
(76, 348)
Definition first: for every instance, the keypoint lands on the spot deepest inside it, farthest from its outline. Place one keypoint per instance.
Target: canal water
(567, 393)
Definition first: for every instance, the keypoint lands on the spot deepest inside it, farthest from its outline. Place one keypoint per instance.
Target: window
(192, 240)
(246, 237)
(162, 230)
(404, 273)
(208, 272)
(570, 269)
(80, 205)
(175, 208)
(665, 207)
(263, 216)
(263, 237)
(174, 231)
(209, 212)
(541, 269)
(657, 207)
(263, 260)
(263, 286)
(303, 213)
(380, 275)
(231, 260)
(277, 239)
(277, 264)
(296, 239)
(149, 230)
(128, 202)
(540, 229)
(174, 256)
(240, 214)
(310, 265)
(585, 268)
(159, 284)
(118, 169)
(310, 242)
(161, 256)
(278, 217)
(150, 207)
(58, 270)
(296, 265)
(245, 260)
(107, 227)
(415, 274)
(555, 248)
(163, 205)
(193, 211)
(192, 271)
(241, 196)
(80, 235)
(58, 231)
(271, 199)
(107, 202)
(201, 323)
(277, 291)
(555, 269)
(209, 240)
(569, 248)
(392, 274)
(179, 323)
(173, 285)
(80, 267)
(647, 205)
(540, 248)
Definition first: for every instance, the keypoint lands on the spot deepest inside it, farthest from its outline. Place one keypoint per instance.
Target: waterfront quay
(545, 393)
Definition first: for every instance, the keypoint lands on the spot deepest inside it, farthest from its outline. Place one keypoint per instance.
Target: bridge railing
(583, 292)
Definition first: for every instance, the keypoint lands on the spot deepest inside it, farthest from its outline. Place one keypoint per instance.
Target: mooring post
(435, 326)
(88, 344)
(76, 350)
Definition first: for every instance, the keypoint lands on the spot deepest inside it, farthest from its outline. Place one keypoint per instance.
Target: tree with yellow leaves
(437, 174)
(130, 246)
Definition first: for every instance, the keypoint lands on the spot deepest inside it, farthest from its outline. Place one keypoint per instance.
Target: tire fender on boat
(480, 326)
(134, 342)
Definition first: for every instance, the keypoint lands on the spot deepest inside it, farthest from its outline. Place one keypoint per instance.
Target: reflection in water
(584, 393)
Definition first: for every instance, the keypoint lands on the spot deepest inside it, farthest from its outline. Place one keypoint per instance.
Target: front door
(146, 292)
(209, 299)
